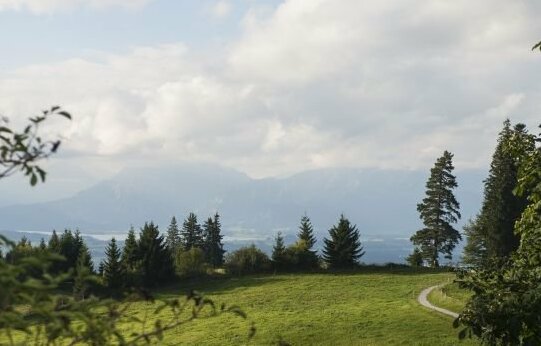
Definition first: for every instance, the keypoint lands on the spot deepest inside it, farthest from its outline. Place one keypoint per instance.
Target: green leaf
(33, 179)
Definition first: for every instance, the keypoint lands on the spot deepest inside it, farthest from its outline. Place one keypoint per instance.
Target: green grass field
(366, 308)
(450, 297)
(377, 308)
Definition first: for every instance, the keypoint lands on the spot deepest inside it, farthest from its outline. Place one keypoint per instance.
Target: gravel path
(422, 299)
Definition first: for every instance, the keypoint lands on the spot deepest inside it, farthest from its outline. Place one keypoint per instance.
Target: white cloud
(50, 6)
(315, 83)
(221, 9)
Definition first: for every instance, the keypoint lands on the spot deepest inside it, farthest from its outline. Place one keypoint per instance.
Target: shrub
(190, 263)
(299, 257)
(247, 260)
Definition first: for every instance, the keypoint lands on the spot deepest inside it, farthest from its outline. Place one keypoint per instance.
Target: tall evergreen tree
(130, 255)
(155, 264)
(192, 234)
(83, 252)
(439, 210)
(172, 240)
(214, 248)
(54, 243)
(491, 234)
(113, 273)
(82, 276)
(306, 232)
(42, 246)
(279, 252)
(343, 249)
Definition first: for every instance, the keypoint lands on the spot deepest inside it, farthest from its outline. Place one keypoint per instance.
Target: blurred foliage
(21, 151)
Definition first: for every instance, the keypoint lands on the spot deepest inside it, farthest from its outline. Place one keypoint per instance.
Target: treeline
(150, 258)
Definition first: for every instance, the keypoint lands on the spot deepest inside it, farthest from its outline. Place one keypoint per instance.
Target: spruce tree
(129, 252)
(279, 252)
(113, 273)
(82, 278)
(214, 248)
(306, 232)
(155, 264)
(439, 210)
(172, 240)
(491, 235)
(343, 249)
(54, 243)
(192, 234)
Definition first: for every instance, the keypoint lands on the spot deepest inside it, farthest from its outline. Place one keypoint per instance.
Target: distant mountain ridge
(381, 202)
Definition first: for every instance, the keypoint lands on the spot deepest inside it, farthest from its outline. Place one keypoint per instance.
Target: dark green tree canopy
(491, 235)
(306, 232)
(439, 210)
(343, 249)
(192, 233)
(113, 273)
(155, 261)
(213, 246)
(173, 240)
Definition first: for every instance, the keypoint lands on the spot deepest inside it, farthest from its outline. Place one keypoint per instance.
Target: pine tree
(343, 249)
(129, 252)
(439, 210)
(113, 273)
(83, 251)
(491, 234)
(155, 264)
(172, 240)
(54, 243)
(82, 278)
(101, 267)
(192, 234)
(42, 246)
(214, 248)
(279, 252)
(306, 232)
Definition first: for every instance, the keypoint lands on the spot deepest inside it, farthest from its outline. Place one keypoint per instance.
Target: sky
(269, 88)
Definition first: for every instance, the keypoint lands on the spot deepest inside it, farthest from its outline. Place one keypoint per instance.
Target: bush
(190, 263)
(247, 260)
(299, 257)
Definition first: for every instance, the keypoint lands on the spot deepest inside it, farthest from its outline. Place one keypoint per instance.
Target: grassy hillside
(377, 308)
(450, 297)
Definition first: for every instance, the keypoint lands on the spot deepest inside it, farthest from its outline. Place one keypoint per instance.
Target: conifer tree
(156, 264)
(491, 234)
(101, 267)
(306, 232)
(113, 273)
(439, 210)
(172, 240)
(42, 246)
(214, 248)
(279, 252)
(84, 252)
(81, 282)
(130, 256)
(192, 234)
(54, 243)
(343, 249)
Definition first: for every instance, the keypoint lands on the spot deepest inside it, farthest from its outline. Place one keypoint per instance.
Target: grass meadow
(368, 308)
(371, 307)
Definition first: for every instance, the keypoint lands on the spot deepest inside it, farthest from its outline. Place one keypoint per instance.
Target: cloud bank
(310, 84)
(51, 6)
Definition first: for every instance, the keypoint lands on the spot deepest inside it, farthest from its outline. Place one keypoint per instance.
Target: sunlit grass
(450, 297)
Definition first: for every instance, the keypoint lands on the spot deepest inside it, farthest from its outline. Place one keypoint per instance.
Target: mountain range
(381, 202)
